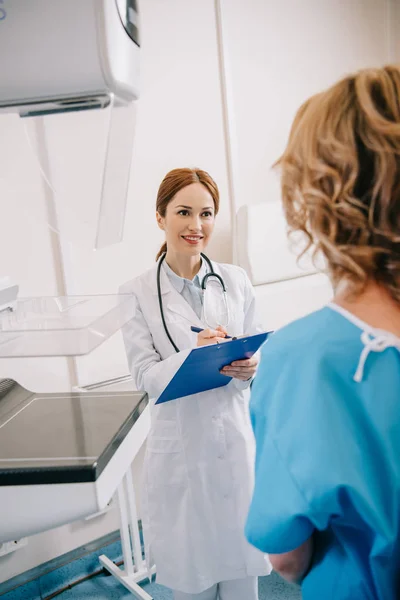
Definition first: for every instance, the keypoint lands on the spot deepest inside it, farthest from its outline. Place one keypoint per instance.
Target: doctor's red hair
(176, 180)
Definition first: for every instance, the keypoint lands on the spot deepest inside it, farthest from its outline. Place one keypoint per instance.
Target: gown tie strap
(378, 343)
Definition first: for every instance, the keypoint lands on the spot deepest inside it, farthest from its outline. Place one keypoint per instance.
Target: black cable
(161, 306)
(102, 571)
(212, 274)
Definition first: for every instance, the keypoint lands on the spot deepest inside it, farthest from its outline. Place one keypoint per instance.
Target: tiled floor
(63, 573)
(106, 588)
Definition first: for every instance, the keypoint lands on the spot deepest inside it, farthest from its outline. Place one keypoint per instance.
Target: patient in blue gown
(325, 404)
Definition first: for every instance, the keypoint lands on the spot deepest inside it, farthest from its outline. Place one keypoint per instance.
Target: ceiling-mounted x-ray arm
(71, 56)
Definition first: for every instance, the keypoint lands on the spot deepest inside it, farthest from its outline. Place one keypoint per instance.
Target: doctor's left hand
(241, 369)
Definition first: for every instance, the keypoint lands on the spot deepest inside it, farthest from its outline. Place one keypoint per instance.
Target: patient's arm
(294, 565)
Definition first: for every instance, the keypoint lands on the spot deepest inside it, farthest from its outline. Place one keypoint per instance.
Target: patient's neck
(374, 306)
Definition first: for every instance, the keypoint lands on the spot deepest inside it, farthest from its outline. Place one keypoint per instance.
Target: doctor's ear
(160, 220)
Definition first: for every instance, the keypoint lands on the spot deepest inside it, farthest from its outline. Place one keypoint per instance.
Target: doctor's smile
(192, 239)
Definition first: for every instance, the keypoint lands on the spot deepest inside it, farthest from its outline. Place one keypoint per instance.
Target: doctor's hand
(211, 336)
(241, 369)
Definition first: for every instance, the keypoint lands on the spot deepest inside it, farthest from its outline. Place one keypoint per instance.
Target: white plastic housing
(58, 55)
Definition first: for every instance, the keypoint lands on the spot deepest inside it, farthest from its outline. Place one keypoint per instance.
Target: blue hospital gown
(328, 454)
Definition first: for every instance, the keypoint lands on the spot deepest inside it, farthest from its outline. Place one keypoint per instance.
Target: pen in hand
(198, 329)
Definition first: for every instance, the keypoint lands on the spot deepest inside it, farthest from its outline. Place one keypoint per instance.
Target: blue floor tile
(30, 591)
(274, 587)
(78, 569)
(103, 587)
(107, 588)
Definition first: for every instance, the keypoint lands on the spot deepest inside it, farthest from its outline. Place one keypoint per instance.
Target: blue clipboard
(201, 369)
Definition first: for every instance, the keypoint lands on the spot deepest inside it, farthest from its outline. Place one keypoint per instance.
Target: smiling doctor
(198, 471)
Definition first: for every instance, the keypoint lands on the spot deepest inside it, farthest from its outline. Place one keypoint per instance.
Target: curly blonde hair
(341, 178)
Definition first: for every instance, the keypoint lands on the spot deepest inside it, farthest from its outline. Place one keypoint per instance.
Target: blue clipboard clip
(200, 371)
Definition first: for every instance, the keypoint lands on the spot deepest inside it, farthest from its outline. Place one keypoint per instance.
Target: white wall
(279, 54)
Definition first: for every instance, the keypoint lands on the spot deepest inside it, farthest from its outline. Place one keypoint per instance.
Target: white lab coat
(198, 471)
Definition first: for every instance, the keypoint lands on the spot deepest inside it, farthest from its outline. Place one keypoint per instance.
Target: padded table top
(61, 438)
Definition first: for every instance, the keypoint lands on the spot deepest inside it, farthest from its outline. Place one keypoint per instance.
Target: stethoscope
(205, 279)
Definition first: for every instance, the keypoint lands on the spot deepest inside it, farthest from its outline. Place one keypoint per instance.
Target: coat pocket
(165, 454)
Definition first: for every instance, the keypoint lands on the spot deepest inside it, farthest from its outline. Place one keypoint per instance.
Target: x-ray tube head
(61, 56)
